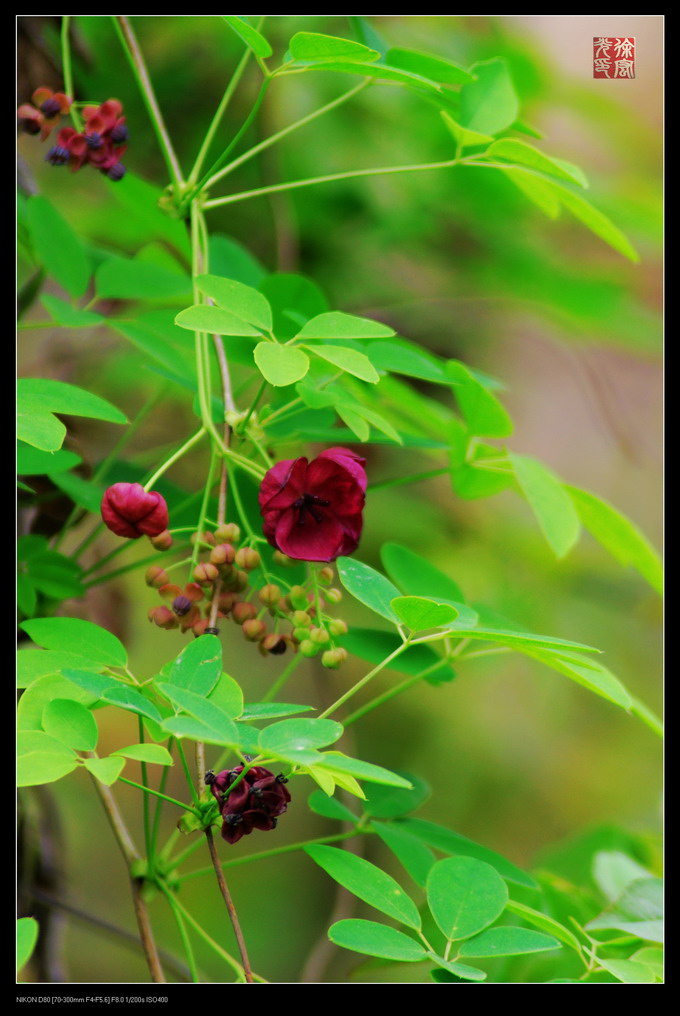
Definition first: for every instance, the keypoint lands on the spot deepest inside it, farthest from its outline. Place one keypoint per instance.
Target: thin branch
(233, 916)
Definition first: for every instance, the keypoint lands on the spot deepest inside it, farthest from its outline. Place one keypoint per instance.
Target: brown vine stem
(233, 916)
(131, 854)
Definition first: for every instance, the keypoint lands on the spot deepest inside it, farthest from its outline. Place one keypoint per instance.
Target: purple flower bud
(117, 172)
(51, 107)
(94, 140)
(119, 134)
(181, 605)
(58, 156)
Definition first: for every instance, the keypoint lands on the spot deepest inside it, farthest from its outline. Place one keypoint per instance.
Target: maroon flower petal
(311, 540)
(351, 461)
(283, 484)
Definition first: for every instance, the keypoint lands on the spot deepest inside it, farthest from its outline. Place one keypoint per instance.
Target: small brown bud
(163, 617)
(223, 553)
(326, 576)
(254, 630)
(200, 627)
(156, 576)
(203, 538)
(205, 574)
(269, 595)
(226, 601)
(163, 541)
(243, 612)
(228, 533)
(248, 558)
(275, 644)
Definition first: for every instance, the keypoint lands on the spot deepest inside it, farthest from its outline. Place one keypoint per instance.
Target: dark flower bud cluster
(101, 143)
(256, 802)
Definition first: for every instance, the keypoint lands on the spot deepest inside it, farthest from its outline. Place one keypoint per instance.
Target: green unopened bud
(332, 659)
(254, 630)
(269, 595)
(205, 574)
(222, 554)
(309, 648)
(228, 533)
(337, 626)
(301, 619)
(333, 595)
(326, 576)
(319, 635)
(301, 634)
(248, 558)
(298, 597)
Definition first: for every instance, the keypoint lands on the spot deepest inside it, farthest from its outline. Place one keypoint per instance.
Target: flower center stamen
(306, 504)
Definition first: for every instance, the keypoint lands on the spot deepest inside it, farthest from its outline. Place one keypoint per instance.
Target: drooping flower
(312, 511)
(129, 510)
(255, 803)
(45, 114)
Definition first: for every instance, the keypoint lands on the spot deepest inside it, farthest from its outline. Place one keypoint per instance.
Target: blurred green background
(518, 757)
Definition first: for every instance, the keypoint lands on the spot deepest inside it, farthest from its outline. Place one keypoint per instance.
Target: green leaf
(288, 737)
(154, 753)
(314, 46)
(490, 103)
(39, 428)
(400, 358)
(548, 924)
(42, 691)
(57, 246)
(54, 575)
(651, 958)
(637, 911)
(336, 762)
(71, 723)
(552, 506)
(92, 683)
(280, 365)
(453, 843)
(356, 424)
(348, 360)
(374, 939)
(228, 257)
(63, 633)
(196, 730)
(628, 971)
(583, 671)
(391, 802)
(536, 189)
(42, 759)
(507, 942)
(465, 895)
(483, 413)
(243, 301)
(48, 396)
(106, 770)
(83, 492)
(68, 316)
(368, 586)
(523, 641)
(614, 871)
(252, 38)
(618, 535)
(419, 614)
(228, 697)
(374, 646)
(27, 597)
(415, 574)
(428, 66)
(596, 221)
(201, 709)
(464, 137)
(199, 666)
(322, 804)
(270, 710)
(381, 72)
(134, 279)
(461, 970)
(27, 936)
(368, 882)
(203, 317)
(34, 462)
(337, 325)
(35, 663)
(519, 151)
(129, 698)
(412, 852)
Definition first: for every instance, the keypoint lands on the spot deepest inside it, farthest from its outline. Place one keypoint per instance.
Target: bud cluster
(101, 143)
(224, 568)
(256, 801)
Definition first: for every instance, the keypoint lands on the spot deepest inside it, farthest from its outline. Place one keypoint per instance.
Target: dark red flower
(129, 510)
(255, 803)
(312, 510)
(50, 105)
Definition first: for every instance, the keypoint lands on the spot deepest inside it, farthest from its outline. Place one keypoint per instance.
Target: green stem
(282, 678)
(187, 772)
(241, 428)
(234, 964)
(391, 693)
(413, 478)
(364, 680)
(159, 806)
(145, 803)
(204, 506)
(134, 55)
(329, 178)
(252, 152)
(231, 909)
(221, 109)
(289, 849)
(179, 920)
(126, 568)
(150, 404)
(67, 69)
(171, 800)
(173, 458)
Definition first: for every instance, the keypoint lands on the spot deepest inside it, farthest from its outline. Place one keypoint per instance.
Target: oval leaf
(418, 614)
(71, 723)
(280, 365)
(507, 942)
(368, 586)
(375, 939)
(465, 895)
(71, 634)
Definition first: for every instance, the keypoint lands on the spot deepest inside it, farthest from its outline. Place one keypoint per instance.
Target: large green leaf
(135, 279)
(70, 633)
(465, 895)
(416, 575)
(57, 246)
(348, 360)
(584, 671)
(288, 737)
(336, 762)
(42, 759)
(314, 46)
(58, 397)
(203, 317)
(338, 325)
(374, 646)
(253, 39)
(490, 103)
(484, 414)
(243, 301)
(416, 858)
(368, 586)
(618, 535)
(153, 753)
(519, 151)
(368, 882)
(507, 942)
(374, 939)
(280, 365)
(552, 506)
(199, 666)
(27, 936)
(106, 770)
(201, 709)
(71, 723)
(596, 221)
(419, 613)
(34, 462)
(67, 316)
(428, 66)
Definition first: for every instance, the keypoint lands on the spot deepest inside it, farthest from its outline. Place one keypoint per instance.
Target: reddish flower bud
(326, 576)
(269, 595)
(254, 630)
(205, 574)
(223, 553)
(199, 628)
(156, 576)
(248, 558)
(229, 532)
(256, 801)
(163, 541)
(312, 511)
(129, 510)
(243, 612)
(163, 617)
(275, 644)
